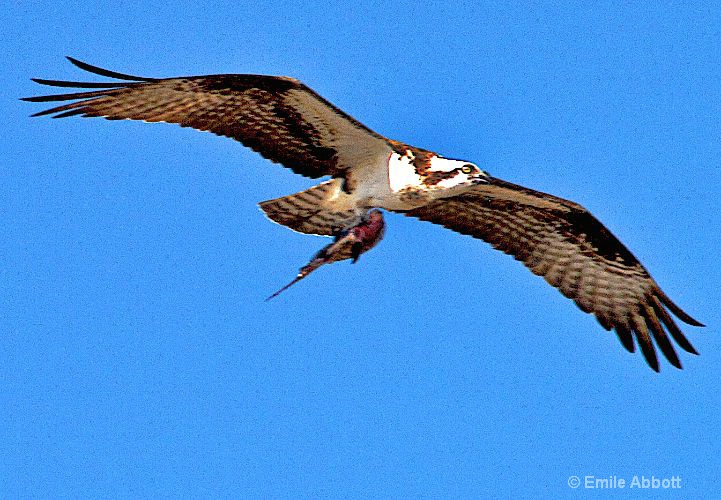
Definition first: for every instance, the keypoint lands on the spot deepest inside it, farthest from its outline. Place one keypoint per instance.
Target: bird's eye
(467, 168)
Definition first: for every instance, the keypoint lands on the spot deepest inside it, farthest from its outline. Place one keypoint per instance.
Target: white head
(445, 174)
(430, 172)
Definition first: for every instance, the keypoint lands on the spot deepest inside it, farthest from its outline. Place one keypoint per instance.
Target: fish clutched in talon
(348, 244)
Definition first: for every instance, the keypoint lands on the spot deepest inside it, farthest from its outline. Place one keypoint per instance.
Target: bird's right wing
(279, 117)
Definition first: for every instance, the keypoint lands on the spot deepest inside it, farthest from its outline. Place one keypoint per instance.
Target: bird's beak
(481, 178)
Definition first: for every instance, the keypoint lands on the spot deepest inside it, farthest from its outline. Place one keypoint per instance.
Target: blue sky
(139, 359)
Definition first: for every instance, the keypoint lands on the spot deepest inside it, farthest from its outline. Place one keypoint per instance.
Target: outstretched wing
(280, 118)
(561, 241)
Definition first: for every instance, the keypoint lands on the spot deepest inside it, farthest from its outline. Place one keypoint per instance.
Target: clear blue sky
(137, 357)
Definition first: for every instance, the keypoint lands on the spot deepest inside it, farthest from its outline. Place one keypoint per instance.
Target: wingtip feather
(106, 72)
(626, 338)
(676, 310)
(671, 326)
(643, 338)
(80, 85)
(659, 335)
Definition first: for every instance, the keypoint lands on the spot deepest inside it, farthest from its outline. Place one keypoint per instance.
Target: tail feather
(324, 209)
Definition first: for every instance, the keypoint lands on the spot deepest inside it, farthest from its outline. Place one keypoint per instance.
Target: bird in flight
(289, 123)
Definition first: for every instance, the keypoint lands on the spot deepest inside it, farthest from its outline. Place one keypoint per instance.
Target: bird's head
(444, 173)
(423, 170)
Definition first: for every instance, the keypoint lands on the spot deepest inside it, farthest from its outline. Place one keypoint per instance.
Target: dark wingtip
(72, 112)
(676, 310)
(626, 338)
(42, 113)
(77, 62)
(675, 362)
(651, 358)
(688, 319)
(643, 339)
(106, 72)
(79, 85)
(43, 81)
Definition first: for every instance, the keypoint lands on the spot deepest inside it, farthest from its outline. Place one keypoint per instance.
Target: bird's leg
(349, 244)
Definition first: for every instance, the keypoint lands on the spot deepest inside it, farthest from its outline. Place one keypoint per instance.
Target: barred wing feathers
(278, 117)
(574, 252)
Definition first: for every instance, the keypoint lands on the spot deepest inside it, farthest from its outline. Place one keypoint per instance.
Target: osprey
(288, 123)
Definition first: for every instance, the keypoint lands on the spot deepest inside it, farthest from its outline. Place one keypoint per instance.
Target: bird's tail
(324, 209)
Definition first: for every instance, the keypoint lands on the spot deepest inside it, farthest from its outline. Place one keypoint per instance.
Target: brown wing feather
(574, 252)
(280, 118)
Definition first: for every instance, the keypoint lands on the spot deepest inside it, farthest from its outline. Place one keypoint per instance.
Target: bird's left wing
(574, 252)
(279, 117)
